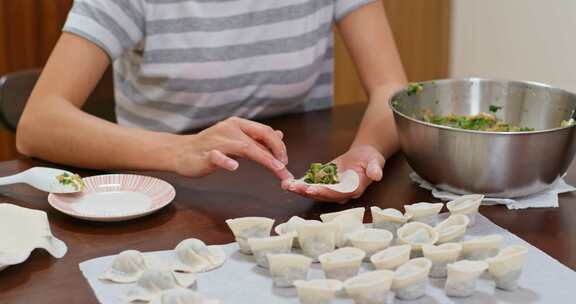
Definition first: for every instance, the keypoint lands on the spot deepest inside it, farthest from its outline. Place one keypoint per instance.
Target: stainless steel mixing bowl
(509, 164)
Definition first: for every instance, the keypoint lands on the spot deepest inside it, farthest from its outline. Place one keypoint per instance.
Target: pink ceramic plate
(115, 197)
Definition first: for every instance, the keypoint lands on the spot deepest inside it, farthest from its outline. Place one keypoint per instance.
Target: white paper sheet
(547, 199)
(240, 281)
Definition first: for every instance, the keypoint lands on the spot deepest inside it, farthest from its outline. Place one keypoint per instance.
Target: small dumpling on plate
(244, 228)
(371, 287)
(417, 234)
(423, 212)
(440, 256)
(481, 248)
(391, 257)
(357, 212)
(411, 278)
(154, 281)
(317, 238)
(260, 247)
(286, 268)
(194, 256)
(290, 226)
(127, 267)
(370, 240)
(342, 263)
(388, 219)
(506, 266)
(452, 229)
(317, 291)
(467, 205)
(182, 296)
(462, 277)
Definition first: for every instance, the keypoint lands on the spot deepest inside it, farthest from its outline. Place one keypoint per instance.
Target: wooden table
(202, 205)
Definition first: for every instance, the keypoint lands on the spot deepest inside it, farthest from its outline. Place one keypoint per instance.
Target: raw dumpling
(467, 205)
(154, 281)
(417, 234)
(389, 219)
(462, 277)
(506, 266)
(440, 256)
(452, 229)
(357, 212)
(391, 257)
(317, 238)
(411, 278)
(182, 296)
(370, 240)
(342, 264)
(194, 256)
(317, 291)
(346, 224)
(371, 287)
(285, 268)
(244, 228)
(260, 247)
(290, 227)
(127, 267)
(426, 213)
(481, 248)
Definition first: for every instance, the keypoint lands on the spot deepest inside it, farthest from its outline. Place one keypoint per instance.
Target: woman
(186, 64)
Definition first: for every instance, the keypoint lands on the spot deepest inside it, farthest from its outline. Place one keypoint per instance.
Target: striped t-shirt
(185, 64)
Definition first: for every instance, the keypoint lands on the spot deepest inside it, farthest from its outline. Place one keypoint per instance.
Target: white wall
(515, 39)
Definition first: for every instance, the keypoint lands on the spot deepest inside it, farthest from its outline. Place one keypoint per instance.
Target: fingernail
(292, 187)
(278, 165)
(311, 190)
(232, 165)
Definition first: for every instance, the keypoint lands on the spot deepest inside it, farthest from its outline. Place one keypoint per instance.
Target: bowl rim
(393, 98)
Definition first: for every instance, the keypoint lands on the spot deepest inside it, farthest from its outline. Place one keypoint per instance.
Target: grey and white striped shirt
(185, 64)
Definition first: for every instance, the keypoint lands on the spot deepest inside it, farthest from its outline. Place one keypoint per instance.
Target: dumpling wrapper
(128, 266)
(452, 229)
(244, 228)
(410, 279)
(481, 248)
(441, 256)
(154, 281)
(317, 238)
(290, 227)
(182, 296)
(194, 256)
(467, 205)
(342, 263)
(506, 266)
(371, 287)
(462, 277)
(349, 182)
(426, 213)
(260, 247)
(21, 231)
(417, 234)
(371, 240)
(389, 219)
(317, 291)
(391, 257)
(286, 268)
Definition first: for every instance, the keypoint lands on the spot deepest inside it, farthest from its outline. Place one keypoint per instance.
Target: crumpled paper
(548, 199)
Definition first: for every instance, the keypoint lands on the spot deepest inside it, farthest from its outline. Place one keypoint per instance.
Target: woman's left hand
(365, 160)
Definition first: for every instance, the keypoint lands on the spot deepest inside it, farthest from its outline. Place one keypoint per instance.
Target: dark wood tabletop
(201, 206)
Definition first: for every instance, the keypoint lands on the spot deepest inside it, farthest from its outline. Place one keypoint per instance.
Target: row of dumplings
(341, 242)
(157, 282)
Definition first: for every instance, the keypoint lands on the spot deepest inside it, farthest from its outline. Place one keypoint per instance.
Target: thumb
(374, 170)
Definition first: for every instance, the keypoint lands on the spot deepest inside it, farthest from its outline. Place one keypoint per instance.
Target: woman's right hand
(216, 147)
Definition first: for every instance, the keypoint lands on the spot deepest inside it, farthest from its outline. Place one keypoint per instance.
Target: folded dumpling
(440, 256)
(370, 240)
(506, 266)
(317, 238)
(286, 268)
(417, 234)
(127, 267)
(290, 226)
(155, 281)
(260, 247)
(467, 205)
(182, 296)
(411, 278)
(426, 213)
(358, 213)
(452, 229)
(371, 287)
(317, 291)
(342, 264)
(389, 219)
(481, 248)
(391, 257)
(244, 228)
(194, 256)
(462, 277)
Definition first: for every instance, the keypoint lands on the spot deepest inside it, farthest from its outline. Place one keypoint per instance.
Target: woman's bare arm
(54, 128)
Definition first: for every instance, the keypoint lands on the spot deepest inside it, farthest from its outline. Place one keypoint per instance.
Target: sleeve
(116, 26)
(344, 7)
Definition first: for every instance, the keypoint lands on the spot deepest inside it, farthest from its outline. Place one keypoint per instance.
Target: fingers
(221, 160)
(374, 170)
(267, 136)
(247, 148)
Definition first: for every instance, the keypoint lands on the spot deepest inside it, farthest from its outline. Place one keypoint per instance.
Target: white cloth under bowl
(546, 199)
